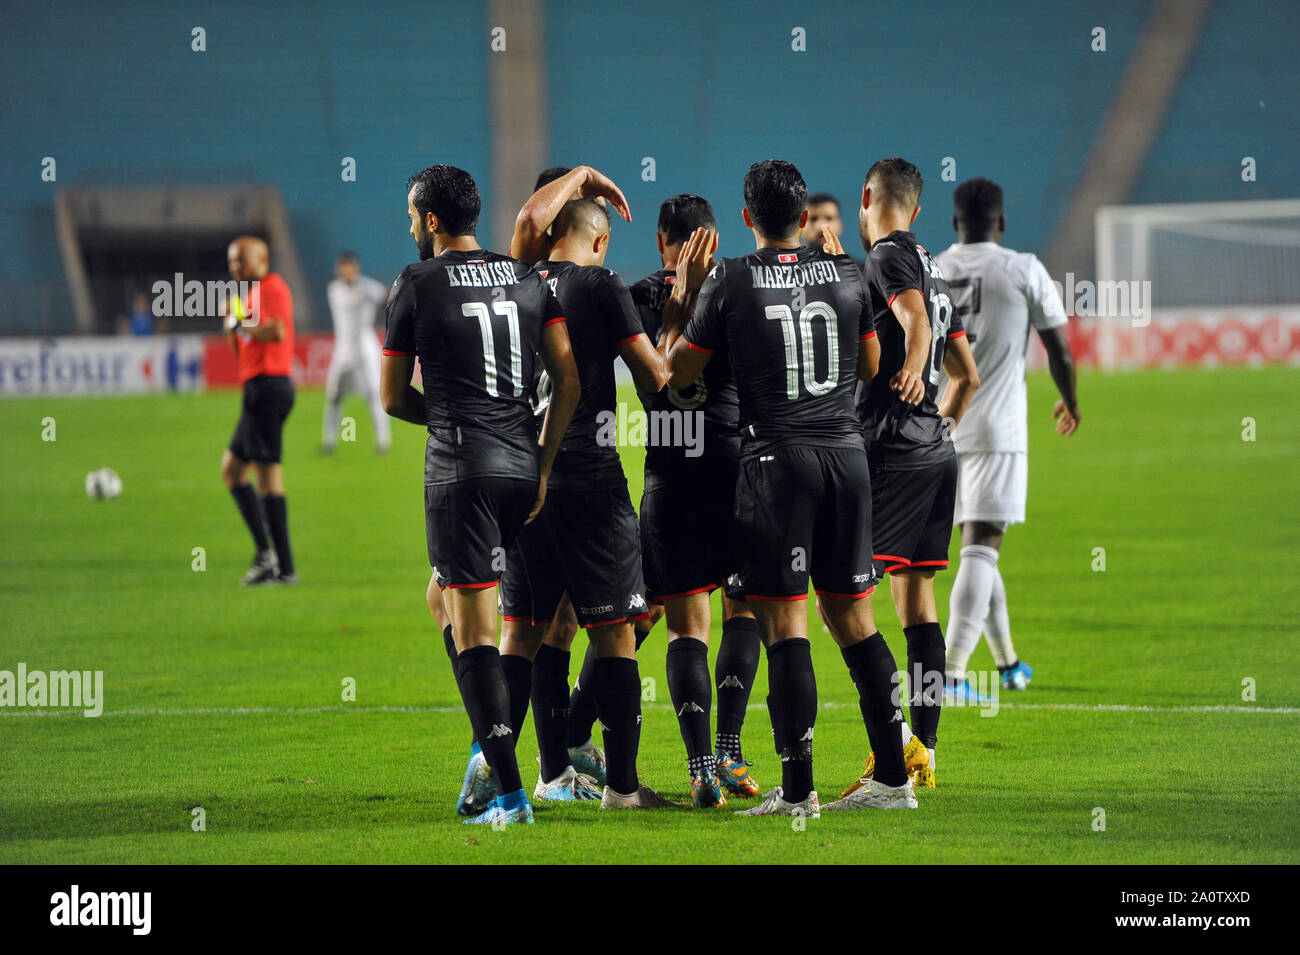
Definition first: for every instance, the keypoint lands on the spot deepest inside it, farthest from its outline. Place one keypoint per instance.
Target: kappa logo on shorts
(861, 578)
(735, 581)
(596, 611)
(637, 603)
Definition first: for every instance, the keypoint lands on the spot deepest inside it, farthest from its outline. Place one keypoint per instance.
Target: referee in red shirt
(262, 336)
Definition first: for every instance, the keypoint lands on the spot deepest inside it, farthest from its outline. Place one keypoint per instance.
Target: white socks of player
(968, 607)
(997, 627)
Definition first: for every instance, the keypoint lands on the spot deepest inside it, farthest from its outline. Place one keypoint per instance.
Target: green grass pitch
(231, 699)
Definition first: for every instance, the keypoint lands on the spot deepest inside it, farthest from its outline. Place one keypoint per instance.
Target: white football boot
(774, 804)
(876, 795)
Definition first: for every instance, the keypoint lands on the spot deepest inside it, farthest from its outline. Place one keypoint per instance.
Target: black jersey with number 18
(908, 436)
(790, 320)
(475, 321)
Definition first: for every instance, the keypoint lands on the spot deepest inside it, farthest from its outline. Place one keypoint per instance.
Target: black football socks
(874, 673)
(617, 691)
(692, 696)
(794, 687)
(734, 673)
(551, 708)
(277, 519)
(519, 681)
(926, 654)
(582, 702)
(250, 509)
(487, 701)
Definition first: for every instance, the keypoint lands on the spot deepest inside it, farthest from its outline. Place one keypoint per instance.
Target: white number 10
(784, 315)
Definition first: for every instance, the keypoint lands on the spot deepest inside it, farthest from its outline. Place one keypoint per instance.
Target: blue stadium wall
(1010, 91)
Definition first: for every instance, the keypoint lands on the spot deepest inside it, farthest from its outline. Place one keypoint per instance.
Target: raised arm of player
(1061, 364)
(557, 356)
(694, 262)
(401, 399)
(963, 379)
(909, 308)
(537, 214)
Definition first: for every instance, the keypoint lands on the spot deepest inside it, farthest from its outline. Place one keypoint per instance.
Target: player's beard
(424, 244)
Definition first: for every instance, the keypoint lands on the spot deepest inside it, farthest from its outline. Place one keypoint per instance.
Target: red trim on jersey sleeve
(553, 321)
(700, 348)
(868, 336)
(896, 294)
(628, 341)
(960, 333)
(392, 353)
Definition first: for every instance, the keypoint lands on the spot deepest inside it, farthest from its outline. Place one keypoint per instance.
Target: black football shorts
(688, 533)
(805, 510)
(590, 548)
(259, 435)
(471, 525)
(912, 513)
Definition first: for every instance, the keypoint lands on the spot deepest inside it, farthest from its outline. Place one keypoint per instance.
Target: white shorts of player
(992, 486)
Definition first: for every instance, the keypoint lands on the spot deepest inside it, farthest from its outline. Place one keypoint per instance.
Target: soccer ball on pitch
(103, 484)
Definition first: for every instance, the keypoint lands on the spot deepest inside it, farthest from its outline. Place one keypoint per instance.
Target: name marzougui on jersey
(818, 272)
(481, 274)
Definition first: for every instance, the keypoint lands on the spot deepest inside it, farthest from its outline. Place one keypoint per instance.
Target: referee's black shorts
(259, 435)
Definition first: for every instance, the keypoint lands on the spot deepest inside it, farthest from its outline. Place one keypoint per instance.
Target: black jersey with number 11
(475, 321)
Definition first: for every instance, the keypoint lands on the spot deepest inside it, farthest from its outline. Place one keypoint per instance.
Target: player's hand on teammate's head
(1067, 419)
(696, 259)
(909, 385)
(830, 241)
(600, 186)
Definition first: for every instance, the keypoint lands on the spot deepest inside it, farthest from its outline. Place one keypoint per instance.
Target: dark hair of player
(821, 198)
(450, 194)
(897, 181)
(549, 175)
(680, 216)
(346, 256)
(978, 203)
(776, 196)
(585, 217)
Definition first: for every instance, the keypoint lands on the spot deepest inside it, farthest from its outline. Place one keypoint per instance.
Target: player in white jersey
(355, 300)
(1000, 294)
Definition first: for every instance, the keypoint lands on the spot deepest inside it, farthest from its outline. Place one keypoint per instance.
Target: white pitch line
(445, 710)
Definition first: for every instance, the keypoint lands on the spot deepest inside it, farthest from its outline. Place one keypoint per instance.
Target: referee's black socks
(875, 674)
(277, 518)
(794, 688)
(250, 509)
(487, 701)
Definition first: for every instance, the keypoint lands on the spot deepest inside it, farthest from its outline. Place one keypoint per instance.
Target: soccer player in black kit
(793, 321)
(688, 540)
(477, 320)
(908, 436)
(586, 542)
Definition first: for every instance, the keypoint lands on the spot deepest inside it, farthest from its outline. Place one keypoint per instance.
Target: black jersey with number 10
(790, 321)
(475, 321)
